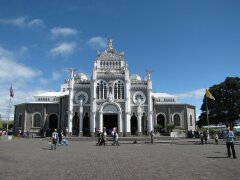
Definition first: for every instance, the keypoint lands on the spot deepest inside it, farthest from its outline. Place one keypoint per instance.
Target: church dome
(135, 77)
(81, 77)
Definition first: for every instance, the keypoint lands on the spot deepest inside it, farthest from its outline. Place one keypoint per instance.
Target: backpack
(114, 135)
(54, 136)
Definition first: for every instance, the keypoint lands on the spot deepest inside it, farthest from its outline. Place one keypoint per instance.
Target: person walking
(116, 138)
(103, 137)
(54, 139)
(205, 134)
(201, 137)
(60, 137)
(113, 136)
(216, 138)
(229, 142)
(152, 136)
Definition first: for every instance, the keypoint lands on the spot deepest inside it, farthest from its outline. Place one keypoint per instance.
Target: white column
(150, 106)
(92, 122)
(120, 121)
(70, 101)
(81, 118)
(93, 102)
(150, 124)
(127, 102)
(139, 118)
(101, 121)
(127, 120)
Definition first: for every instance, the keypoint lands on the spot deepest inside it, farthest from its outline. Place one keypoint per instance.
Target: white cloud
(35, 23)
(97, 42)
(23, 22)
(11, 71)
(196, 94)
(63, 49)
(63, 31)
(43, 81)
(56, 75)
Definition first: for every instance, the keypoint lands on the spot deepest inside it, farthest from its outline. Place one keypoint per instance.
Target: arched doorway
(53, 123)
(110, 117)
(144, 124)
(75, 124)
(134, 125)
(161, 122)
(110, 121)
(86, 125)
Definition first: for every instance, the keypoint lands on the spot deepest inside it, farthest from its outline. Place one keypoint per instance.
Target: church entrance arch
(134, 125)
(110, 116)
(53, 123)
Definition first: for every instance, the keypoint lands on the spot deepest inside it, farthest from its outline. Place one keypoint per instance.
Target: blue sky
(189, 45)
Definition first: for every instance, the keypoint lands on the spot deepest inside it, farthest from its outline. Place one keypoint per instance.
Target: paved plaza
(32, 159)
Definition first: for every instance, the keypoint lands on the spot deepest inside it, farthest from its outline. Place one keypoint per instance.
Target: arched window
(161, 120)
(20, 121)
(118, 90)
(176, 119)
(36, 120)
(190, 118)
(101, 90)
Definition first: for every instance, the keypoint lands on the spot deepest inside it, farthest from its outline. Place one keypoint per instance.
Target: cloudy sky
(189, 45)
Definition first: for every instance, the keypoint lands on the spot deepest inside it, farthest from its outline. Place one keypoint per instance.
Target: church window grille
(119, 90)
(122, 91)
(105, 91)
(97, 90)
(82, 97)
(119, 94)
(115, 91)
(176, 120)
(37, 120)
(101, 90)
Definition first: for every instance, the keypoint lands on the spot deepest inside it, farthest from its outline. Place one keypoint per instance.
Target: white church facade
(110, 98)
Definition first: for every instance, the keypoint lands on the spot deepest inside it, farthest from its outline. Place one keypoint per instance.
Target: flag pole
(9, 112)
(207, 117)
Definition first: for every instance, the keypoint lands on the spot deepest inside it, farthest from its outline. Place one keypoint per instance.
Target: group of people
(229, 136)
(204, 136)
(102, 137)
(58, 137)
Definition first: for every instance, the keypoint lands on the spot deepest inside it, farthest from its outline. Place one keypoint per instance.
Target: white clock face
(139, 97)
(81, 96)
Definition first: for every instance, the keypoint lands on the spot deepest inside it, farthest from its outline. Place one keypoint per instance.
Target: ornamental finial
(110, 46)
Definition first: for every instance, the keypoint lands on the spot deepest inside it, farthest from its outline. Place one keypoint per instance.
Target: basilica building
(110, 98)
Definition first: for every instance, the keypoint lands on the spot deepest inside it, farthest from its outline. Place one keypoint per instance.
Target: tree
(3, 125)
(226, 106)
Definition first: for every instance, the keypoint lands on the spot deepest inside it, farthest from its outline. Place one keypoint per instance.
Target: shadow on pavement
(215, 157)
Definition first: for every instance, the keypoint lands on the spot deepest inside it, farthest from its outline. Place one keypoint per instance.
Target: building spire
(110, 46)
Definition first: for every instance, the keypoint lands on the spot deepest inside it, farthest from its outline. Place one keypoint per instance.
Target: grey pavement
(33, 159)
